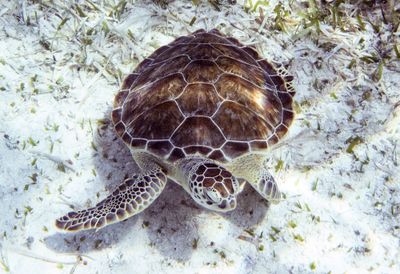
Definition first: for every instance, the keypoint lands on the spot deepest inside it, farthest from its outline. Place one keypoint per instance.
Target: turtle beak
(232, 204)
(228, 205)
(223, 204)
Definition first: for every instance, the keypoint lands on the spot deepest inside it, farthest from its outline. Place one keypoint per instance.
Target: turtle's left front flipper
(131, 197)
(253, 169)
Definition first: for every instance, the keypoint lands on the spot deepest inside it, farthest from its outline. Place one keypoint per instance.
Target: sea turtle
(201, 111)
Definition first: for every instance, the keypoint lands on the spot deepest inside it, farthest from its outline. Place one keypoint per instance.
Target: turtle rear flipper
(131, 197)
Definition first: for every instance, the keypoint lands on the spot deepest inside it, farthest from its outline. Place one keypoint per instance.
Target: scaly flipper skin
(267, 186)
(253, 169)
(209, 184)
(131, 197)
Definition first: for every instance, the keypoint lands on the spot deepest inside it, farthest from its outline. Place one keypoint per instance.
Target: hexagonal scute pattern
(205, 94)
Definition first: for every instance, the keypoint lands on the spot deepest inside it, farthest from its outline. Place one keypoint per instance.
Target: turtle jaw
(225, 205)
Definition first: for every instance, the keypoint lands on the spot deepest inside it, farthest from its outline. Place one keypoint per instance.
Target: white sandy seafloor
(60, 66)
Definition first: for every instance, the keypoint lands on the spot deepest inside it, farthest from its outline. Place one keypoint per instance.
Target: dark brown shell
(203, 93)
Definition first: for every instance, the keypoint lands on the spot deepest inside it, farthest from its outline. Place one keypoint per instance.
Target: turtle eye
(213, 195)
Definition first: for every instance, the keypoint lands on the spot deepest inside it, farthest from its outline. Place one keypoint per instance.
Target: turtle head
(213, 187)
(216, 199)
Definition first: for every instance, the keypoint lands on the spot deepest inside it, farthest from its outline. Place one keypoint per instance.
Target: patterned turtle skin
(201, 111)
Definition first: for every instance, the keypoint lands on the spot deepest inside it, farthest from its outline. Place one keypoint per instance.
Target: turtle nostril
(232, 203)
(223, 204)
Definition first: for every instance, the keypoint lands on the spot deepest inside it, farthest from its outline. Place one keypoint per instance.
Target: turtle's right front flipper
(131, 197)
